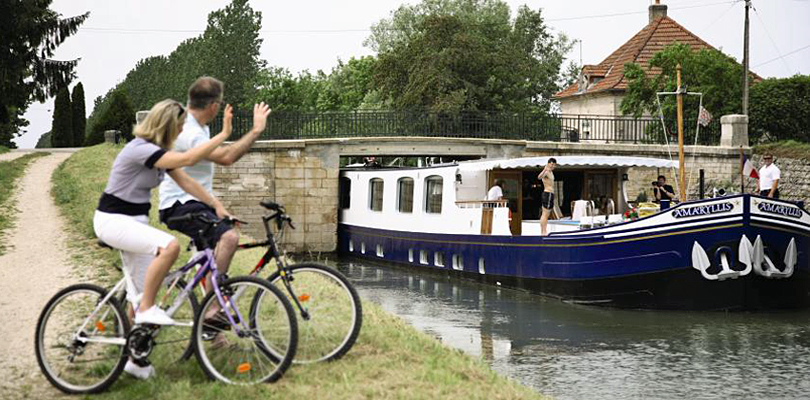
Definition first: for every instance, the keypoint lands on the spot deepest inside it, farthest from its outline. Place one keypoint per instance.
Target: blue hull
(624, 266)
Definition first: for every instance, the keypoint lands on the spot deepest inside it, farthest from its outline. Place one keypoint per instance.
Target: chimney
(657, 10)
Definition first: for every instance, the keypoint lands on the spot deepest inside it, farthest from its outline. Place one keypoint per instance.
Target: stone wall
(302, 176)
(795, 182)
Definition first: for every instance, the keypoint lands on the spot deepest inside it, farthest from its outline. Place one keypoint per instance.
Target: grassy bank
(4, 149)
(10, 173)
(786, 149)
(391, 359)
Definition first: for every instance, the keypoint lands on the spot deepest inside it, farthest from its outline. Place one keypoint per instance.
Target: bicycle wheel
(173, 344)
(81, 343)
(240, 355)
(335, 313)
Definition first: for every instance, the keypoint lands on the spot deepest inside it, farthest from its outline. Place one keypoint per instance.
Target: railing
(482, 125)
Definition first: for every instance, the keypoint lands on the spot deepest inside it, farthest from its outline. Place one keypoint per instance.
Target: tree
(62, 128)
(452, 55)
(79, 115)
(30, 35)
(708, 71)
(119, 116)
(348, 86)
(44, 141)
(780, 109)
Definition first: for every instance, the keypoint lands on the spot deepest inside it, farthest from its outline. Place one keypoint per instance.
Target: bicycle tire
(236, 368)
(323, 339)
(42, 342)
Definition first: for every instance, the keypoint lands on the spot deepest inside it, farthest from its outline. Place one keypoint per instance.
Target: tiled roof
(658, 34)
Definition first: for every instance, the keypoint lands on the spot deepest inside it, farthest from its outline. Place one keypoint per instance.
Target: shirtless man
(547, 200)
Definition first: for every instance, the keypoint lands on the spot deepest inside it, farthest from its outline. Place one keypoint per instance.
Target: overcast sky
(313, 34)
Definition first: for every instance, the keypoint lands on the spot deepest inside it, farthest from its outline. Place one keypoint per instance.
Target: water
(579, 352)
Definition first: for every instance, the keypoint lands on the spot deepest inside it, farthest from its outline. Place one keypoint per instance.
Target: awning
(566, 161)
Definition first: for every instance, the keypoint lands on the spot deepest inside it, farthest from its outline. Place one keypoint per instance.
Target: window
(376, 194)
(438, 259)
(423, 257)
(363, 247)
(458, 262)
(351, 246)
(410, 255)
(433, 194)
(481, 266)
(405, 195)
(380, 252)
(344, 192)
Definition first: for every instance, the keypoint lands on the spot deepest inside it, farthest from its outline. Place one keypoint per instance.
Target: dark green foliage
(780, 110)
(79, 115)
(62, 128)
(119, 116)
(30, 35)
(454, 55)
(228, 50)
(44, 141)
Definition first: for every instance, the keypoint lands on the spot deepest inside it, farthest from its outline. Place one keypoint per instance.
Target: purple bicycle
(244, 332)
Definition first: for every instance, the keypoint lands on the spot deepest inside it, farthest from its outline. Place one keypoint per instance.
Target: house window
(433, 194)
(376, 194)
(405, 195)
(423, 257)
(458, 262)
(345, 192)
(438, 259)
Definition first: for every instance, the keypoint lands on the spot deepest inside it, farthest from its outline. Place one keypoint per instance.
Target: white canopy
(579, 161)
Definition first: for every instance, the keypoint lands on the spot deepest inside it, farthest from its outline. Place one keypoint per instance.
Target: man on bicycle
(204, 97)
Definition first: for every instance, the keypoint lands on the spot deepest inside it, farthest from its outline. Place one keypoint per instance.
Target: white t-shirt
(193, 135)
(495, 193)
(767, 175)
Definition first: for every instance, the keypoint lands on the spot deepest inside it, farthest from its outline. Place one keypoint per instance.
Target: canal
(580, 352)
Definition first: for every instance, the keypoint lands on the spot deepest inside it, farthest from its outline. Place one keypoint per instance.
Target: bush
(118, 116)
(780, 110)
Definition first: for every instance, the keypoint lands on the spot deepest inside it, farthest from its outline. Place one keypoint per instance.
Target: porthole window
(423, 257)
(410, 255)
(375, 194)
(363, 247)
(405, 195)
(481, 266)
(438, 259)
(380, 252)
(433, 194)
(458, 262)
(351, 245)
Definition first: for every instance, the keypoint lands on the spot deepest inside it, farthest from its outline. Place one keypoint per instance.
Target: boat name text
(702, 210)
(780, 209)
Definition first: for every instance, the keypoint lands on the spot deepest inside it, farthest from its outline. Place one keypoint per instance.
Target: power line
(287, 31)
(772, 41)
(782, 56)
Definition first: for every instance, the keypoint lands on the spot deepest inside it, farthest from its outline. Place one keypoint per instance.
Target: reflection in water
(579, 352)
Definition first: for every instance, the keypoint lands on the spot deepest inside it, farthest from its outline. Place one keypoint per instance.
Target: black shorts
(547, 200)
(764, 193)
(194, 227)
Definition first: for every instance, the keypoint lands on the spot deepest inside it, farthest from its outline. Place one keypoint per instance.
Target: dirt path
(11, 155)
(34, 269)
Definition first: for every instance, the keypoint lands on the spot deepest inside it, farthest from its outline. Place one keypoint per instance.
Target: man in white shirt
(769, 175)
(204, 102)
(496, 192)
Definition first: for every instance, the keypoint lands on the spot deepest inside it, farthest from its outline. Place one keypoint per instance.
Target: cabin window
(410, 255)
(376, 194)
(438, 259)
(458, 262)
(481, 266)
(363, 247)
(433, 194)
(380, 252)
(344, 192)
(423, 257)
(405, 195)
(351, 245)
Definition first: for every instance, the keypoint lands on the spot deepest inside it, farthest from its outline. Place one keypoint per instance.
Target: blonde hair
(161, 125)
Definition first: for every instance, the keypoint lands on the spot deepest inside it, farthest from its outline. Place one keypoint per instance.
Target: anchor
(758, 257)
(700, 261)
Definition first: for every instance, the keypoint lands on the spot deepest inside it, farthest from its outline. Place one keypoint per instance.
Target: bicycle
(83, 338)
(328, 305)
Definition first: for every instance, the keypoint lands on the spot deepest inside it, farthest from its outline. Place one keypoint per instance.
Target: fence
(484, 125)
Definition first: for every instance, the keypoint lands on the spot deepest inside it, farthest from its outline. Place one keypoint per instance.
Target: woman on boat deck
(547, 200)
(121, 217)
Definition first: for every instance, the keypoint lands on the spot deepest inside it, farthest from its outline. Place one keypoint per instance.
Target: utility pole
(745, 62)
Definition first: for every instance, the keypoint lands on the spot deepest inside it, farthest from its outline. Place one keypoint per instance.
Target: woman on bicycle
(121, 219)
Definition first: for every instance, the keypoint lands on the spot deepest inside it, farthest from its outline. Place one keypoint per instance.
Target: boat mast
(681, 171)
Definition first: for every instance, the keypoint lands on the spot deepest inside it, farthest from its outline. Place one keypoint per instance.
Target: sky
(313, 34)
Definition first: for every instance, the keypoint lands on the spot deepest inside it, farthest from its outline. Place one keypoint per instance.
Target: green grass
(391, 359)
(4, 149)
(10, 173)
(786, 149)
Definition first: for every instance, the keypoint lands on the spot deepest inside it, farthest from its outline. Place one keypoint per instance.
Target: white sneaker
(138, 371)
(155, 316)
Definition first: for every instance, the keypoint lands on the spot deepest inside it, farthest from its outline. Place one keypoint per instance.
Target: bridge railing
(483, 125)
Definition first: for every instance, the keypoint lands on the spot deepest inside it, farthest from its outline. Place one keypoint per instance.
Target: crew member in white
(769, 175)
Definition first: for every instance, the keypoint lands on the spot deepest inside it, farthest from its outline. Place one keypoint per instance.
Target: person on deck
(769, 175)
(547, 200)
(496, 192)
(663, 193)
